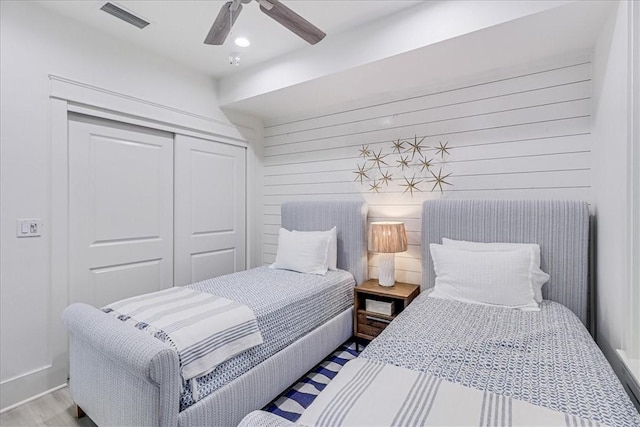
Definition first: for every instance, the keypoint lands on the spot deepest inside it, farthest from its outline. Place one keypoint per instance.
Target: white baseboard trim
(37, 396)
(624, 374)
(632, 365)
(632, 374)
(26, 374)
(31, 385)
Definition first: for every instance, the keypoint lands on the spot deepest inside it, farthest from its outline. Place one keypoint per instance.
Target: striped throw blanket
(204, 329)
(369, 393)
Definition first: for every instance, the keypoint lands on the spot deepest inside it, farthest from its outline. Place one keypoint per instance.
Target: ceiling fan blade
(222, 25)
(293, 21)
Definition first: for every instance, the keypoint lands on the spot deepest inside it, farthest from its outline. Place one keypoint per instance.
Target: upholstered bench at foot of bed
(130, 378)
(139, 372)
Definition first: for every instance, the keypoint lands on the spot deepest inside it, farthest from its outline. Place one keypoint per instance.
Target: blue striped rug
(293, 402)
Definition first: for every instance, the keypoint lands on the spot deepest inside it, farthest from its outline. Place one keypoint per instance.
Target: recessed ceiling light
(242, 42)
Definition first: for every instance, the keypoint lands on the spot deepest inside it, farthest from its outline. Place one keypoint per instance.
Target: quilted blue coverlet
(546, 358)
(287, 305)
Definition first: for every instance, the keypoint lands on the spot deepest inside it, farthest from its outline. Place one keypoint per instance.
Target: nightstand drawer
(372, 331)
(371, 320)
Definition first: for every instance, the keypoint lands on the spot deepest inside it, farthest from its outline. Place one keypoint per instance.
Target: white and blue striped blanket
(204, 329)
(369, 393)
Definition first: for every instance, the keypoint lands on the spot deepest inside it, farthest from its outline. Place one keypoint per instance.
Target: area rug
(293, 402)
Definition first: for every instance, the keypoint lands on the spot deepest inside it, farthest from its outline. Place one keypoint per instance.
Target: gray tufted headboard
(561, 228)
(350, 220)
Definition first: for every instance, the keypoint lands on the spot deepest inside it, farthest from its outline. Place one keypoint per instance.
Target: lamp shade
(387, 237)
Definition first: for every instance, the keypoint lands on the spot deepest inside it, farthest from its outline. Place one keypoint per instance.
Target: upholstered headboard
(350, 220)
(561, 228)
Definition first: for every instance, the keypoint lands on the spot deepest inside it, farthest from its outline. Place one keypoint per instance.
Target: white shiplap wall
(524, 135)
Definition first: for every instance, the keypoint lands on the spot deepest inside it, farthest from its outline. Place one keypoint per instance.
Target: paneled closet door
(120, 210)
(210, 191)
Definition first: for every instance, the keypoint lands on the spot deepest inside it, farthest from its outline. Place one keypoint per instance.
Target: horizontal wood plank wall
(520, 136)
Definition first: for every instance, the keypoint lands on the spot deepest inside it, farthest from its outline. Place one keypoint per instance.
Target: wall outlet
(28, 228)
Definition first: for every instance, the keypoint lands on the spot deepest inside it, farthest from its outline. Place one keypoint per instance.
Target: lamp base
(387, 269)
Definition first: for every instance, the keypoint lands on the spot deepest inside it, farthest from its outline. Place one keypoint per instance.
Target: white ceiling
(372, 48)
(474, 51)
(178, 27)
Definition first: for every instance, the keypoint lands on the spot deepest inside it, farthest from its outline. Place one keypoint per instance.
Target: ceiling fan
(229, 13)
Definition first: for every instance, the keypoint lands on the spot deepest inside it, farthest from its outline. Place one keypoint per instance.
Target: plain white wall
(255, 167)
(611, 176)
(35, 43)
(610, 172)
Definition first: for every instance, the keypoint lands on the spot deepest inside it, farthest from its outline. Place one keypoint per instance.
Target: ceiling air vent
(120, 13)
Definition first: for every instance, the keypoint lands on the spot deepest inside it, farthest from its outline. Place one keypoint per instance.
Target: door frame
(71, 96)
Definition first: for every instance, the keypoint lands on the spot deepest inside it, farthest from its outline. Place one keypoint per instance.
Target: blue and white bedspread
(287, 305)
(546, 358)
(204, 329)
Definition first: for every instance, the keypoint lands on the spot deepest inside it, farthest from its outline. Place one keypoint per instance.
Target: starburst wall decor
(410, 163)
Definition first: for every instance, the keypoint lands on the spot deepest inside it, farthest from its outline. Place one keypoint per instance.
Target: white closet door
(210, 209)
(120, 210)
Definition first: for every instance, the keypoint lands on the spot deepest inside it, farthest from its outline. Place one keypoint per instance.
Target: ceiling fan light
(242, 42)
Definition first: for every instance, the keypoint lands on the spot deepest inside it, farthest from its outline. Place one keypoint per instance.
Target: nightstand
(391, 300)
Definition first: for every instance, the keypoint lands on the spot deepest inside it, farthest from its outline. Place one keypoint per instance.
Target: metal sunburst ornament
(376, 159)
(385, 178)
(426, 164)
(403, 162)
(439, 180)
(442, 149)
(398, 146)
(364, 151)
(361, 172)
(411, 185)
(375, 186)
(415, 146)
(410, 160)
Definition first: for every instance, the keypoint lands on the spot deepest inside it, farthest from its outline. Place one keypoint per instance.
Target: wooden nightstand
(368, 325)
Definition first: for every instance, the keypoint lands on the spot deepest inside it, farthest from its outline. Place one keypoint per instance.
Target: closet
(150, 209)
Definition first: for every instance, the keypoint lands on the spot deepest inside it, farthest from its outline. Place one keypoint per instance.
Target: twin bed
(445, 362)
(120, 375)
(440, 362)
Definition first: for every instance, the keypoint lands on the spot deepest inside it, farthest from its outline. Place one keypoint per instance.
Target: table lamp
(386, 239)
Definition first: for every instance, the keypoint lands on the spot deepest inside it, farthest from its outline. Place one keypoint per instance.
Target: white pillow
(333, 245)
(538, 276)
(302, 252)
(500, 278)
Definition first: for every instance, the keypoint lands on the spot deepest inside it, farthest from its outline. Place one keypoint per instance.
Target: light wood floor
(53, 409)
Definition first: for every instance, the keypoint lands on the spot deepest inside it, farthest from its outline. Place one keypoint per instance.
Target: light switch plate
(28, 228)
